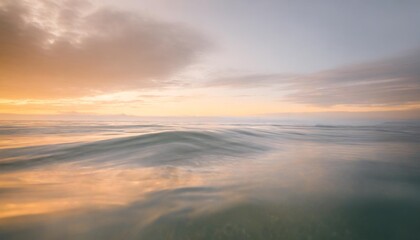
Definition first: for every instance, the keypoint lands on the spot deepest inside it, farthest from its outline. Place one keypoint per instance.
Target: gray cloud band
(391, 81)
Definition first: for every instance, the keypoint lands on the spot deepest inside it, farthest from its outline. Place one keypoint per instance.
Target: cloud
(251, 80)
(61, 49)
(391, 81)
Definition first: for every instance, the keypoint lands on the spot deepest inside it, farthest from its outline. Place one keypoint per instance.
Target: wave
(145, 149)
(193, 145)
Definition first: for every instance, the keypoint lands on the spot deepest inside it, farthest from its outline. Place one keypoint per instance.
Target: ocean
(209, 180)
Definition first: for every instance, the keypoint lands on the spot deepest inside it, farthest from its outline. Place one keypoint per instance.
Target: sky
(209, 57)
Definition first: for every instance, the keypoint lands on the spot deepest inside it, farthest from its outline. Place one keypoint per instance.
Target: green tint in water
(364, 220)
(200, 182)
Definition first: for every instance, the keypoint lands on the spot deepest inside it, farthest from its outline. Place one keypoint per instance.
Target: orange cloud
(65, 50)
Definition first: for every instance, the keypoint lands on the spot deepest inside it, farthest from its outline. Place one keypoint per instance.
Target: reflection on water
(64, 188)
(62, 180)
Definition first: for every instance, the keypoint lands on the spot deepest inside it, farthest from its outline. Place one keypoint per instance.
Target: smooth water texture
(217, 180)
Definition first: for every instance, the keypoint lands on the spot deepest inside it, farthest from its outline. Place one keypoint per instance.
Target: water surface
(220, 180)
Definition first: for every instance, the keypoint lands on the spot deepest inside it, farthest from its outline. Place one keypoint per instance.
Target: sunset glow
(148, 58)
(209, 119)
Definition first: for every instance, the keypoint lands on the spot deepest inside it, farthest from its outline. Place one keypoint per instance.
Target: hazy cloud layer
(389, 82)
(64, 48)
(252, 80)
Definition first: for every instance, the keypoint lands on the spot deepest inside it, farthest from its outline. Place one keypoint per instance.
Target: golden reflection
(63, 188)
(30, 141)
(8, 141)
